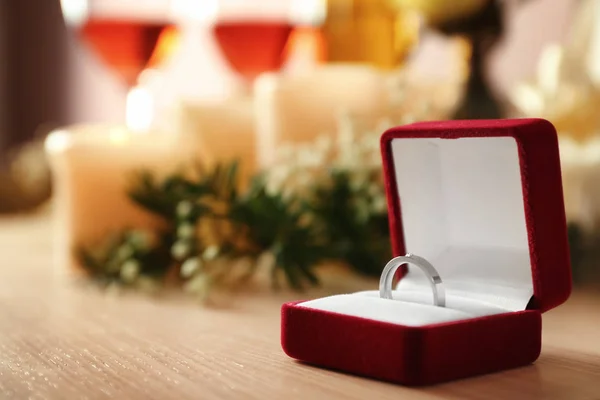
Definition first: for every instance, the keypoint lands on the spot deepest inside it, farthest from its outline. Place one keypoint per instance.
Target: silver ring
(387, 277)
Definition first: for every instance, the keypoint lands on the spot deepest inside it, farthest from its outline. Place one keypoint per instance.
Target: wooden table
(62, 341)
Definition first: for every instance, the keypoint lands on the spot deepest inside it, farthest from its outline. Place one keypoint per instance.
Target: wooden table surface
(62, 341)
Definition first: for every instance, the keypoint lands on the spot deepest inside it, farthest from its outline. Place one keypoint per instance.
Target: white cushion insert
(409, 307)
(395, 312)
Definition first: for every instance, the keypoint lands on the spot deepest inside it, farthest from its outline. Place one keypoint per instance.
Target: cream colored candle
(92, 168)
(223, 131)
(299, 108)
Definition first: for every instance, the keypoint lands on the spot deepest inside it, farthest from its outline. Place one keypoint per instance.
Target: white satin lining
(495, 276)
(409, 307)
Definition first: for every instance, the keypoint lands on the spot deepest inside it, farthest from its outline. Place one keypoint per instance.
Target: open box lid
(482, 201)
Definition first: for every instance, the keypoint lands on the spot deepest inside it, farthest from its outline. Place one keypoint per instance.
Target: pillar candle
(223, 131)
(296, 108)
(92, 169)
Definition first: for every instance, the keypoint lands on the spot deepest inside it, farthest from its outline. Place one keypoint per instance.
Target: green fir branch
(355, 234)
(299, 234)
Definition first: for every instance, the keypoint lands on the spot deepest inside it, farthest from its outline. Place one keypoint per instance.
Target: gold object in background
(25, 183)
(438, 12)
(375, 32)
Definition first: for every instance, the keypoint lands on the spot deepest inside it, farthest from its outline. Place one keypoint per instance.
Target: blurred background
(241, 79)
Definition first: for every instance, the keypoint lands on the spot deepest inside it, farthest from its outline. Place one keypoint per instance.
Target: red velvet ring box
(482, 201)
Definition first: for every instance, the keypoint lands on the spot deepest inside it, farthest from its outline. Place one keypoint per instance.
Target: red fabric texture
(442, 352)
(542, 195)
(411, 355)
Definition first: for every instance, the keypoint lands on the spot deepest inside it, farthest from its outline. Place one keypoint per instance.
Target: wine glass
(253, 34)
(124, 36)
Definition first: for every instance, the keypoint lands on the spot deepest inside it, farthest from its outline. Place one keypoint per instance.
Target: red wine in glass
(124, 45)
(253, 47)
